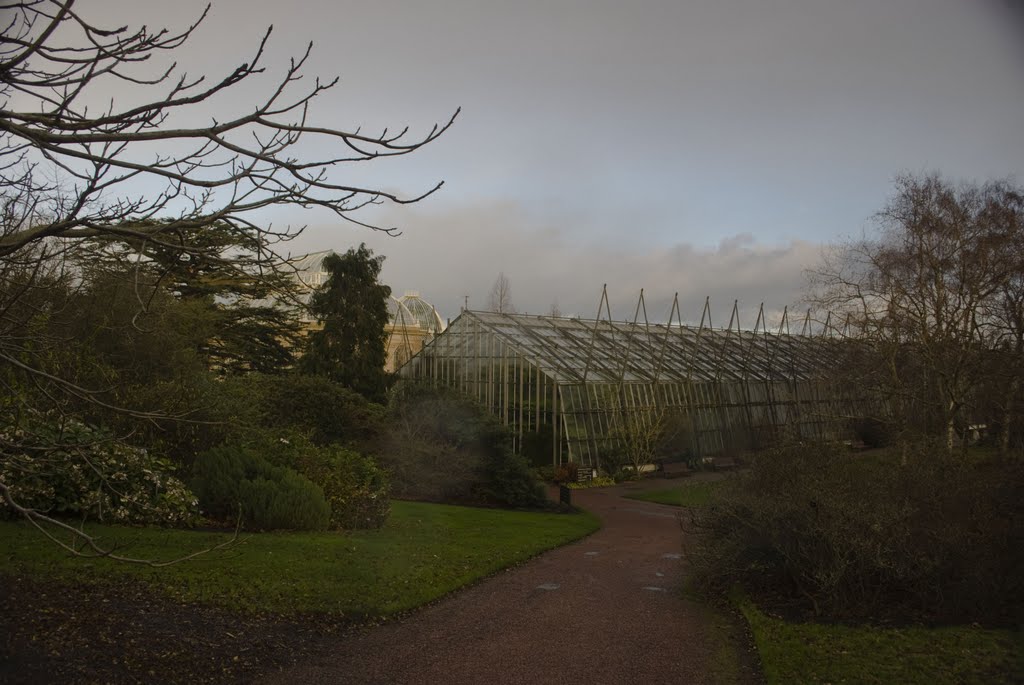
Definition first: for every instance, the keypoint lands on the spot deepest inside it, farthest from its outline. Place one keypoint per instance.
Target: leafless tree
(500, 298)
(555, 311)
(639, 432)
(1005, 214)
(922, 300)
(71, 168)
(77, 164)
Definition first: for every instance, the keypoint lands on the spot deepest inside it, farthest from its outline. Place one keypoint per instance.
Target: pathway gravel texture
(607, 609)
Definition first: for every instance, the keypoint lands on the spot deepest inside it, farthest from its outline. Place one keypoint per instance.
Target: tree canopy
(352, 309)
(172, 206)
(936, 294)
(253, 305)
(139, 170)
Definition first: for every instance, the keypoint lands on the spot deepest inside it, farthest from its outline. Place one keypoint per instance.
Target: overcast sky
(709, 147)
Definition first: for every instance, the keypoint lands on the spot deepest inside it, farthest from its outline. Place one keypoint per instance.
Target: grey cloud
(447, 254)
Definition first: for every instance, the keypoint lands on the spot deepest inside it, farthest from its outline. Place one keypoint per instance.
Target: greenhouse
(576, 386)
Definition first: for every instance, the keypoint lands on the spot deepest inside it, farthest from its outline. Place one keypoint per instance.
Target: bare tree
(924, 296)
(555, 311)
(64, 164)
(639, 432)
(76, 164)
(1005, 213)
(500, 298)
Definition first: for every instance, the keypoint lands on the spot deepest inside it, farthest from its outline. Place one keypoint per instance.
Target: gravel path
(607, 609)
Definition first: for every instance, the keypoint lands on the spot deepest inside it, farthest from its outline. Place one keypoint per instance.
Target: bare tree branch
(80, 169)
(238, 165)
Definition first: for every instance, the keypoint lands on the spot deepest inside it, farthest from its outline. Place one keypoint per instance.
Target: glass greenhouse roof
(589, 351)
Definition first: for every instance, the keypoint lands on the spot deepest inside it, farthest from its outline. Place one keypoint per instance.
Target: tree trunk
(951, 425)
(1004, 437)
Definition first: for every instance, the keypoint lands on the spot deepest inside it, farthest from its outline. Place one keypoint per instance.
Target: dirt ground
(57, 633)
(607, 609)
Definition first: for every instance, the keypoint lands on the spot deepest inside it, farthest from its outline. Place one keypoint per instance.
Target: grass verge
(822, 653)
(423, 552)
(695, 494)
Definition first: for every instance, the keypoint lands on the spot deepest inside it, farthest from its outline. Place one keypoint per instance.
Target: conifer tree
(351, 306)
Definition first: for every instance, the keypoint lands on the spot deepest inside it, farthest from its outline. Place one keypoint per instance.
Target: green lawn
(686, 495)
(423, 552)
(818, 653)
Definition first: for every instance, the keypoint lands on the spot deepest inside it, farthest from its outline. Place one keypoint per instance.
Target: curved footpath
(605, 610)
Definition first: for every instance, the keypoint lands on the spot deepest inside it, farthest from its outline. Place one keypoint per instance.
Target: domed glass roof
(309, 269)
(399, 314)
(423, 312)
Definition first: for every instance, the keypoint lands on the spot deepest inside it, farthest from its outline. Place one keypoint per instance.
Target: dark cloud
(704, 147)
(449, 254)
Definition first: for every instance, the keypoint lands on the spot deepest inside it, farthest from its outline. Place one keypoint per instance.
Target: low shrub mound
(235, 483)
(906, 532)
(356, 489)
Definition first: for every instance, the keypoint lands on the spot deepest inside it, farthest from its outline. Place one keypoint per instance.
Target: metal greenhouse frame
(577, 378)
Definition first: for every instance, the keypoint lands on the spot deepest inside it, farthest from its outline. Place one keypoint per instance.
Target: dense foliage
(237, 484)
(133, 269)
(111, 361)
(441, 446)
(249, 300)
(86, 473)
(351, 306)
(324, 410)
(871, 535)
(356, 489)
(156, 360)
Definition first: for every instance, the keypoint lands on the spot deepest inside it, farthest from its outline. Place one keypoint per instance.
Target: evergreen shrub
(357, 490)
(286, 501)
(323, 409)
(235, 480)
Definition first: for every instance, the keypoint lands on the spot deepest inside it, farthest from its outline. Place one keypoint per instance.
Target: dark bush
(569, 472)
(443, 447)
(233, 481)
(545, 474)
(318, 407)
(505, 477)
(537, 446)
(427, 470)
(872, 432)
(625, 475)
(288, 501)
(853, 536)
(356, 489)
